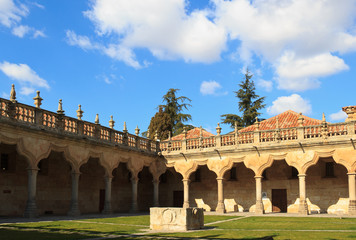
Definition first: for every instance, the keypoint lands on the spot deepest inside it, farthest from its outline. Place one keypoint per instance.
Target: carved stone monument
(176, 219)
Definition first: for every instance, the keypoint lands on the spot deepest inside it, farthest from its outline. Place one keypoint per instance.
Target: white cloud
(81, 41)
(293, 102)
(21, 31)
(301, 74)
(27, 90)
(162, 26)
(38, 33)
(22, 73)
(11, 14)
(338, 116)
(211, 88)
(266, 85)
(311, 29)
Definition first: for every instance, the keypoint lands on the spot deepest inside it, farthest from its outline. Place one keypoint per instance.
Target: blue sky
(119, 57)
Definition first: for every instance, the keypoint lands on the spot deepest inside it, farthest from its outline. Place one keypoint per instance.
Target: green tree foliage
(170, 117)
(249, 104)
(160, 122)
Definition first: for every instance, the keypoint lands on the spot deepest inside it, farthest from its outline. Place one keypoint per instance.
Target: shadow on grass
(13, 234)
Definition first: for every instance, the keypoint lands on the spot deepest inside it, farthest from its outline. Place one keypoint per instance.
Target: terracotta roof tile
(286, 119)
(193, 133)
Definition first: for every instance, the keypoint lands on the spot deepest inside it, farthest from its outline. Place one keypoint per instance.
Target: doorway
(101, 200)
(279, 200)
(178, 198)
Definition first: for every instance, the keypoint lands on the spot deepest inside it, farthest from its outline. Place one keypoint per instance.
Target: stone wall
(90, 182)
(13, 183)
(121, 189)
(54, 185)
(325, 191)
(172, 182)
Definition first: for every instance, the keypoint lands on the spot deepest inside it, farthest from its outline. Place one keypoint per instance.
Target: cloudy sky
(119, 57)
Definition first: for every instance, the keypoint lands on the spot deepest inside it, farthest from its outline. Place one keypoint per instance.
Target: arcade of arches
(46, 173)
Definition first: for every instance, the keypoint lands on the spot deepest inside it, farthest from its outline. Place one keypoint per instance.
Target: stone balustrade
(24, 115)
(324, 131)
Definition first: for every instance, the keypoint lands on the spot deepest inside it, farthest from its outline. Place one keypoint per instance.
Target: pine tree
(247, 105)
(161, 123)
(170, 117)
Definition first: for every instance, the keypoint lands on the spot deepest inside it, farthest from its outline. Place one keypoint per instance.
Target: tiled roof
(286, 119)
(193, 133)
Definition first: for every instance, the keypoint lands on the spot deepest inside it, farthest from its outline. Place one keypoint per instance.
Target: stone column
(352, 194)
(31, 207)
(303, 206)
(107, 206)
(74, 207)
(156, 192)
(259, 209)
(220, 208)
(134, 206)
(186, 193)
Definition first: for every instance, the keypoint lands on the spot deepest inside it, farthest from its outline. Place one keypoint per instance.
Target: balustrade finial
(156, 135)
(148, 133)
(80, 112)
(201, 131)
(257, 124)
(97, 119)
(38, 100)
(184, 132)
(60, 107)
(300, 120)
(169, 135)
(323, 118)
(13, 94)
(125, 128)
(218, 129)
(111, 122)
(137, 131)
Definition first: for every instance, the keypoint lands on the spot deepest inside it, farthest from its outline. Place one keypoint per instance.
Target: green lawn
(234, 228)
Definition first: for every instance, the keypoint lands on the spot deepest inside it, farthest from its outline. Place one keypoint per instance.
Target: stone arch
(185, 168)
(219, 167)
(347, 158)
(258, 163)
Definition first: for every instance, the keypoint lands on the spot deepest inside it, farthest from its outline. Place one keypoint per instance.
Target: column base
(220, 208)
(74, 211)
(107, 209)
(259, 208)
(31, 210)
(352, 207)
(186, 205)
(134, 208)
(303, 207)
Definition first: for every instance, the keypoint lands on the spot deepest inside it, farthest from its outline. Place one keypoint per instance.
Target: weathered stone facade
(54, 164)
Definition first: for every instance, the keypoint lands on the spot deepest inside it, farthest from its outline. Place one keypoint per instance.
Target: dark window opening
(329, 169)
(4, 162)
(233, 176)
(294, 173)
(129, 176)
(163, 178)
(264, 175)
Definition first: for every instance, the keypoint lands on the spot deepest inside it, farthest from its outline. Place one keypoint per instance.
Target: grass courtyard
(216, 227)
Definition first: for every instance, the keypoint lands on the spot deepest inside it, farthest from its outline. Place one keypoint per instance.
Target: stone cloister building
(55, 164)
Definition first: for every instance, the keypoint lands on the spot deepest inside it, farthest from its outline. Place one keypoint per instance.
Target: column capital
(219, 178)
(258, 176)
(186, 180)
(352, 173)
(302, 175)
(155, 180)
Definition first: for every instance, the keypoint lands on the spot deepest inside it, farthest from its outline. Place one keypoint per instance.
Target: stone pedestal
(176, 219)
